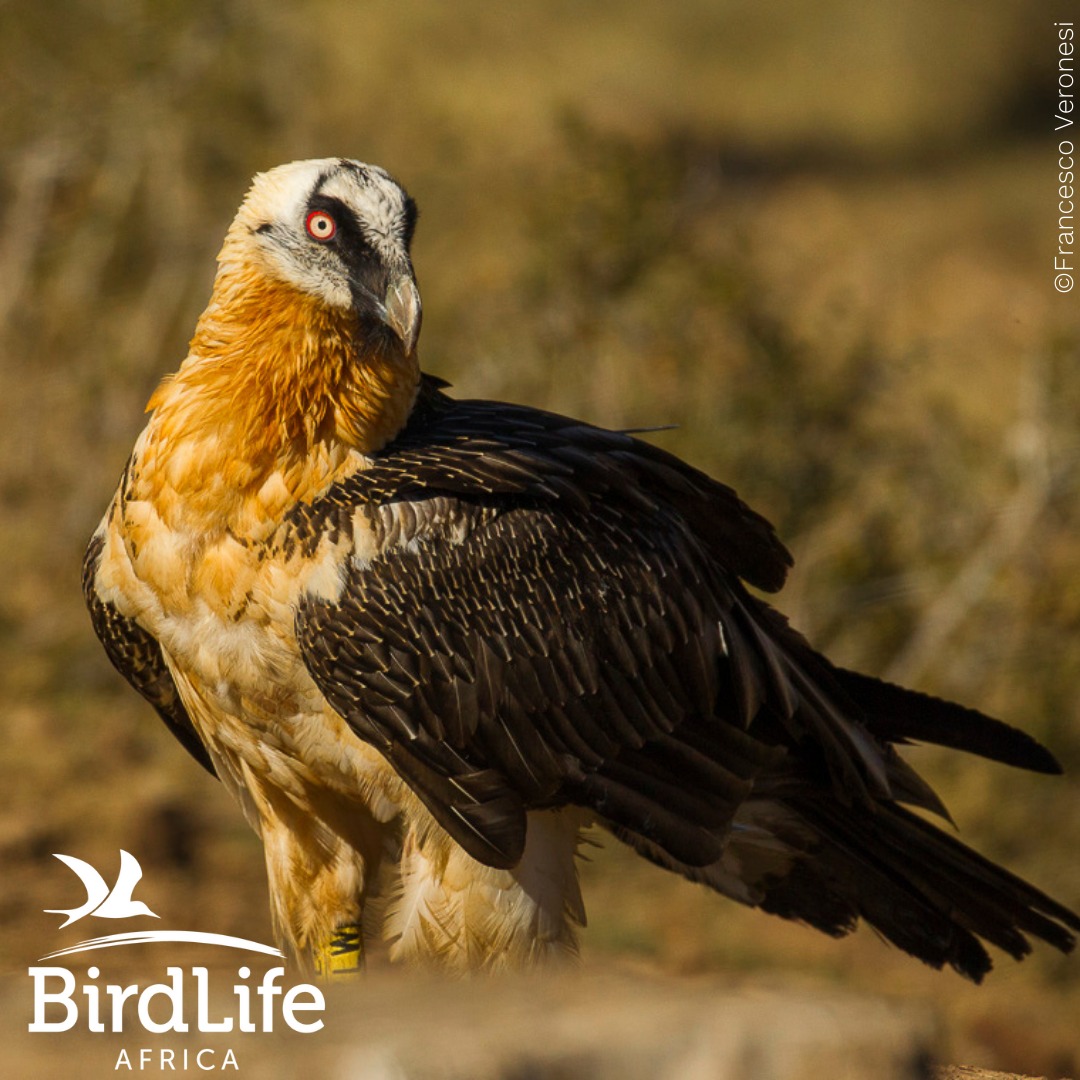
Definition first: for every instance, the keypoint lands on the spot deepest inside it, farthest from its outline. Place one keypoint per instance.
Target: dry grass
(815, 239)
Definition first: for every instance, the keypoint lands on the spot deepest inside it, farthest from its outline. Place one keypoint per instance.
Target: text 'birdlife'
(184, 1001)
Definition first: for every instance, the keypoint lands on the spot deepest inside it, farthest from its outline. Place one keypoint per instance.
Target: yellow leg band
(343, 955)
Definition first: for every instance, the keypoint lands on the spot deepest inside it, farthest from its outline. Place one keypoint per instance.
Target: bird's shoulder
(459, 460)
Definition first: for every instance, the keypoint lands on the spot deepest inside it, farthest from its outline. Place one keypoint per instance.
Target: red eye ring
(320, 226)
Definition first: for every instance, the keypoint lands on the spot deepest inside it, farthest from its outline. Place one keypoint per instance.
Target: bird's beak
(403, 311)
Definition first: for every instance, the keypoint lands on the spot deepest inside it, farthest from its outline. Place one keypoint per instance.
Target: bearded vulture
(424, 642)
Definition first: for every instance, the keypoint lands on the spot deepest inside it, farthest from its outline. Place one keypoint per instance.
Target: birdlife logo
(180, 1004)
(100, 901)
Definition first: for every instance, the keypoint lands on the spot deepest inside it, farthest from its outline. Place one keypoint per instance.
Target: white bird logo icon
(100, 901)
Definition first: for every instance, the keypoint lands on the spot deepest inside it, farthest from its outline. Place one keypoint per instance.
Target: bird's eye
(320, 226)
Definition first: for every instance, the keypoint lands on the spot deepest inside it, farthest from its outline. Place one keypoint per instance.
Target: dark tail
(924, 891)
(813, 860)
(824, 833)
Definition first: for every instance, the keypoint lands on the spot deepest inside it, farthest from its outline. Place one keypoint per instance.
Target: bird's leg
(318, 855)
(342, 956)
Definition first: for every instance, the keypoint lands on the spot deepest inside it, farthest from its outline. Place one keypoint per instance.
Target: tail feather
(807, 857)
(989, 891)
(898, 715)
(833, 892)
(920, 888)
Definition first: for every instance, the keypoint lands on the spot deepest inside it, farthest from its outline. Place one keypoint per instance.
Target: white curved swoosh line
(141, 937)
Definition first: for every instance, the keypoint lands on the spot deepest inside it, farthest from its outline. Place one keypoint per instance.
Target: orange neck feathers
(277, 382)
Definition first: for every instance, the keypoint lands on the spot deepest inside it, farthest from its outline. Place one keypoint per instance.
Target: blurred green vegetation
(817, 239)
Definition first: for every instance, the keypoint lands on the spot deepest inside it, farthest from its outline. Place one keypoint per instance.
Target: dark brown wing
(137, 656)
(546, 624)
(546, 658)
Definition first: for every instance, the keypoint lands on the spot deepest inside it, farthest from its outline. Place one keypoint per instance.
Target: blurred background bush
(816, 238)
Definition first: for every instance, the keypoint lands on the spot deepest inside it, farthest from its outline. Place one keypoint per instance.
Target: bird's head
(339, 231)
(309, 339)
